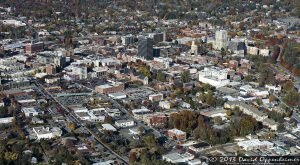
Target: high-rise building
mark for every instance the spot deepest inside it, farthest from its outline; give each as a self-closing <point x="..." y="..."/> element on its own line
<point x="221" y="40"/>
<point x="145" y="48"/>
<point x="157" y="37"/>
<point x="194" y="49"/>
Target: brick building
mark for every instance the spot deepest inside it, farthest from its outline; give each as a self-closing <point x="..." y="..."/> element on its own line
<point x="110" y="88"/>
<point x="176" y="134"/>
<point x="34" y="47"/>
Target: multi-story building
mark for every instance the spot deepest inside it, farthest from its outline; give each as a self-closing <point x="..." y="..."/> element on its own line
<point x="157" y="37"/>
<point x="34" y="47"/>
<point x="214" y="76"/>
<point x="145" y="48"/>
<point x="113" y="87"/>
<point x="221" y="40"/>
<point x="48" y="57"/>
<point x="50" y="69"/>
<point x="127" y="40"/>
<point x="80" y="71"/>
<point x="156" y="119"/>
<point x="176" y="134"/>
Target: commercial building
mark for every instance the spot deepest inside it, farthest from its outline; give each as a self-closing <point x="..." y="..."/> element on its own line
<point x="6" y="120"/>
<point x="113" y="87"/>
<point x="198" y="147"/>
<point x="157" y="37"/>
<point x="176" y="134"/>
<point x="30" y="111"/>
<point x="31" y="48"/>
<point x="50" y="69"/>
<point x="93" y="115"/>
<point x="145" y="48"/>
<point x="127" y="40"/>
<point x="255" y="144"/>
<point x="108" y="127"/>
<point x="124" y="123"/>
<point x="156" y="97"/>
<point x="221" y="40"/>
<point x="214" y="76"/>
<point x="177" y="157"/>
<point x="80" y="71"/>
<point x="156" y="119"/>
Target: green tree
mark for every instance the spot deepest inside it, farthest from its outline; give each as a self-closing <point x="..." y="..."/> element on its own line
<point x="146" y="71"/>
<point x="223" y="52"/>
<point x="161" y="76"/>
<point x="185" y="76"/>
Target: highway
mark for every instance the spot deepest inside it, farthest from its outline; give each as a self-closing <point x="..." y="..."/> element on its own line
<point x="73" y="118"/>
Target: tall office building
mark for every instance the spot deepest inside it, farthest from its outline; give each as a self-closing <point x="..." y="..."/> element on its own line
<point x="221" y="40"/>
<point x="157" y="37"/>
<point x="145" y="48"/>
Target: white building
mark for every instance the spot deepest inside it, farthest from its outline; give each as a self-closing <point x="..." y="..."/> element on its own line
<point x="177" y="157"/>
<point x="118" y="95"/>
<point x="108" y="127"/>
<point x="165" y="104"/>
<point x="252" y="50"/>
<point x="6" y="120"/>
<point x="80" y="71"/>
<point x="156" y="97"/>
<point x="221" y="40"/>
<point x="13" y="22"/>
<point x="264" y="52"/>
<point x="30" y="111"/>
<point x="89" y="115"/>
<point x="273" y="88"/>
<point x="124" y="123"/>
<point x="255" y="144"/>
<point x="47" y="133"/>
<point x="214" y="76"/>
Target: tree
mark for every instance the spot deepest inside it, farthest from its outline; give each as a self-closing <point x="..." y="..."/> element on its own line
<point x="218" y="120"/>
<point x="161" y="76"/>
<point x="141" y="130"/>
<point x="292" y="98"/>
<point x="288" y="86"/>
<point x="72" y="126"/>
<point x="146" y="71"/>
<point x="185" y="76"/>
<point x="132" y="158"/>
<point x="150" y="141"/>
<point x="228" y="113"/>
<point x="272" y="98"/>
<point x="223" y="52"/>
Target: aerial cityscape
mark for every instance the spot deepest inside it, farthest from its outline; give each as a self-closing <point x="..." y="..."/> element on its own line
<point x="149" y="82"/>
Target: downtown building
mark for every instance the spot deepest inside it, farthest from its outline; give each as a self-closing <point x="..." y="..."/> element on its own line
<point x="145" y="48"/>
